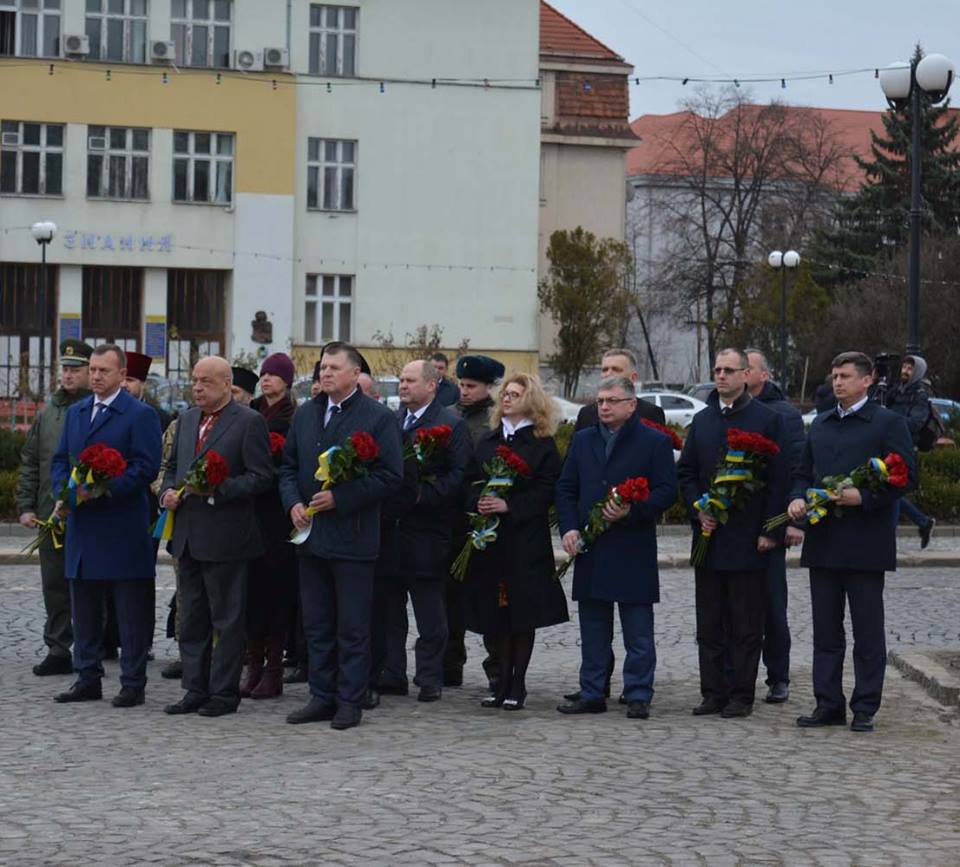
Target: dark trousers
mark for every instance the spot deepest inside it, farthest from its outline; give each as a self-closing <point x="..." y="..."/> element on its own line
<point x="912" y="512"/>
<point x="213" y="632"/>
<point x="337" y="596"/>
<point x="429" y="608"/>
<point x="136" y="635"/>
<point x="57" y="627"/>
<point x="776" y="630"/>
<point x="596" y="633"/>
<point x="830" y="589"/>
<point x="455" y="655"/>
<point x="730" y="610"/>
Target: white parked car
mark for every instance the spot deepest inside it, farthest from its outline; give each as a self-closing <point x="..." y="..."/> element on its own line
<point x="568" y="409"/>
<point x="678" y="408"/>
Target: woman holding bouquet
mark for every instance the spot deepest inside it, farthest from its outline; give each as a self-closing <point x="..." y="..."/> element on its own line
<point x="510" y="591"/>
<point x="271" y="593"/>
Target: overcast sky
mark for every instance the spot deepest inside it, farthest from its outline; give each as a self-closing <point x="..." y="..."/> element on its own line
<point x="734" y="38"/>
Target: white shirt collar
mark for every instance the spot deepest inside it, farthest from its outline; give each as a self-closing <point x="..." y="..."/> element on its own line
<point x="105" y="402"/>
<point x="509" y="428"/>
<point x="417" y="413"/>
<point x="843" y="413"/>
<point x="339" y="406"/>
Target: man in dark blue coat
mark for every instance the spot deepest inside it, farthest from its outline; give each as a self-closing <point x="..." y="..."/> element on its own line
<point x="776" y="632"/>
<point x="108" y="540"/>
<point x="731" y="585"/>
<point x="621" y="565"/>
<point x="425" y="533"/>
<point x="338" y="557"/>
<point x="847" y="555"/>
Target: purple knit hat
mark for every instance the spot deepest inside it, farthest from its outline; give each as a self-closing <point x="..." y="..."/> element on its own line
<point x="279" y="364"/>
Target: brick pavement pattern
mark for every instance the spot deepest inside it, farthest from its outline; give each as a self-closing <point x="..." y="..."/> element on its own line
<point x="451" y="783"/>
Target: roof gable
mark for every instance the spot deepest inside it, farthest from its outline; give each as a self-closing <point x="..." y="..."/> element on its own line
<point x="561" y="37"/>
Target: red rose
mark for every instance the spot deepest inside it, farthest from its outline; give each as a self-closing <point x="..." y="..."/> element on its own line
<point x="90" y="454"/>
<point x="897" y="470"/>
<point x="104" y="461"/>
<point x="439" y="436"/>
<point x="277" y="442"/>
<point x="666" y="431"/>
<point x="215" y="468"/>
<point x="365" y="446"/>
<point x="513" y="461"/>
<point x="634" y="490"/>
<point x="753" y="443"/>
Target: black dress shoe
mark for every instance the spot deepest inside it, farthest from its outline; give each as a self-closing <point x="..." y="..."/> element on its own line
<point x="185" y="705"/>
<point x="862" y="722"/>
<point x="217" y="707"/>
<point x="709" y="706"/>
<point x="575" y="696"/>
<point x="430" y="693"/>
<point x="638" y="710"/>
<point x="582" y="706"/>
<point x="80" y="691"/>
<point x="513" y="703"/>
<point x="393" y="688"/>
<point x="313" y="711"/>
<point x="371" y="698"/>
<point x="821" y="717"/>
<point x="346" y="717"/>
<point x="736" y="710"/>
<point x="53" y="665"/>
<point x="492" y="701"/>
<point x="778" y="693"/>
<point x="925" y="532"/>
<point x="173" y="670"/>
<point x="128" y="697"/>
<point x="454" y="677"/>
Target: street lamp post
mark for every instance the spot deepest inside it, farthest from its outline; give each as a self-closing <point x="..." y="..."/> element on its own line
<point x="781" y="262"/>
<point x="43" y="234"/>
<point x="902" y="84"/>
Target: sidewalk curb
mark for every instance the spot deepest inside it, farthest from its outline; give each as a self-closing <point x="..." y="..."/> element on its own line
<point x="939" y="683"/>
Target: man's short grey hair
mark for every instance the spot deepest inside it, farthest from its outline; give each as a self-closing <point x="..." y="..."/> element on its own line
<point x="732" y="350"/>
<point x="764" y="364"/>
<point x="608" y="383"/>
<point x="626" y="353"/>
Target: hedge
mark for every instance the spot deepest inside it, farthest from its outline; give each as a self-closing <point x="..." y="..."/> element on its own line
<point x="8" y="495"/>
<point x="11" y="442"/>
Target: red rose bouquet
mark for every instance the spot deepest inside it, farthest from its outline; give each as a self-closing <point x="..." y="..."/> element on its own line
<point x="738" y="477"/>
<point x="89" y="478"/>
<point x="504" y="468"/>
<point x="426" y="443"/>
<point x="203" y="478"/>
<point x="675" y="440"/>
<point x="634" y="490"/>
<point x="277" y="442"/>
<point x="874" y="475"/>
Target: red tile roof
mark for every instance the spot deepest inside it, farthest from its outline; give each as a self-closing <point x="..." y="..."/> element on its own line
<point x="560" y="37"/>
<point x="662" y="134"/>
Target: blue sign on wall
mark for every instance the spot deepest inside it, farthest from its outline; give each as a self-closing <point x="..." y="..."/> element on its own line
<point x="70" y="326"/>
<point x="155" y="337"/>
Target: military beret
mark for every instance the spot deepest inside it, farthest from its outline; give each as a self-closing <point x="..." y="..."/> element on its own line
<point x="479" y="367"/>
<point x="75" y="353"/>
<point x="245" y="379"/>
<point x="138" y="365"/>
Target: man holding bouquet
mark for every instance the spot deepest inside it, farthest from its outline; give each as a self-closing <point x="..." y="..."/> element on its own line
<point x="341" y="521"/>
<point x="215" y="534"/>
<point x="848" y="554"/>
<point x="107" y="538"/>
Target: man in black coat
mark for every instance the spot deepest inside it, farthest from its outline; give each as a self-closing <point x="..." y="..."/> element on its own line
<point x="776" y="633"/>
<point x="425" y="532"/>
<point x="338" y="556"/>
<point x="619" y="362"/>
<point x="847" y="555"/>
<point x="447" y="391"/>
<point x="731" y="585"/>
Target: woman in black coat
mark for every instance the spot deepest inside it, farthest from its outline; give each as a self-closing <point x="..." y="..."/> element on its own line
<point x="510" y="590"/>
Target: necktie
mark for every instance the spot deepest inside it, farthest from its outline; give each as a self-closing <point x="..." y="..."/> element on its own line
<point x="97" y="409"/>
<point x="206" y="425"/>
<point x="409" y="420"/>
<point x="725" y="411"/>
<point x="334" y="410"/>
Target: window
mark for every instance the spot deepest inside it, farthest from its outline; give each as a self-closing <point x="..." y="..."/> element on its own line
<point x="118" y="162"/>
<point x="201" y="31"/>
<point x="669" y="401"/>
<point x="203" y="167"/>
<point x="117" y="30"/>
<point x="196" y="317"/>
<point x="31" y="158"/>
<point x="20" y="326"/>
<point x="333" y="40"/>
<point x="112" y="306"/>
<point x="327" y="314"/>
<point x="30" y="28"/>
<point x="331" y="168"/>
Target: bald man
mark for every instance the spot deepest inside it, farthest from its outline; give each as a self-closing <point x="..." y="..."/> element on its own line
<point x="215" y="535"/>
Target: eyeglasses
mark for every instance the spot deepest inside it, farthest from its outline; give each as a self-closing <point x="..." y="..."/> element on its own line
<point x="727" y="371"/>
<point x="511" y="395"/>
<point x="612" y="401"/>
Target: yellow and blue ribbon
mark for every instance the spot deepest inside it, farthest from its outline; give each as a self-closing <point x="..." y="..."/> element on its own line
<point x="163" y="526"/>
<point x="323" y="468"/>
<point x="485" y="536"/>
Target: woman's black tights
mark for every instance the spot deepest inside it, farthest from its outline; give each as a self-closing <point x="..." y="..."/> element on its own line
<point x="514" y="651"/>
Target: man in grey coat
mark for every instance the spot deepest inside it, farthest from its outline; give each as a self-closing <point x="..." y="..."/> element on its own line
<point x="215" y="535"/>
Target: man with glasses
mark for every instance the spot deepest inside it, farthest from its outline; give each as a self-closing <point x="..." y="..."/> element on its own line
<point x="731" y="585"/>
<point x="621" y="565"/>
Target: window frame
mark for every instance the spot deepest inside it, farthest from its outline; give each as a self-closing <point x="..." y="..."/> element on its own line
<point x="43" y="149"/>
<point x="315" y="300"/>
<point x="321" y="164"/>
<point x="128" y="152"/>
<point x="214" y="158"/>
<point x="189" y="21"/>
<point x="41" y="12"/>
<point x="318" y="33"/>
<point x="99" y="53"/>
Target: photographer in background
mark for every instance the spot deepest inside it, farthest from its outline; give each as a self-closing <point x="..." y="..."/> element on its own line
<point x="911" y="399"/>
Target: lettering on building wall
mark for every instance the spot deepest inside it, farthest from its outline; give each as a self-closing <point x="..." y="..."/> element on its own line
<point x="123" y="243"/>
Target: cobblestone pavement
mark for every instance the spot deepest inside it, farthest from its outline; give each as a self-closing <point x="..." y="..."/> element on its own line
<point x="451" y="783"/>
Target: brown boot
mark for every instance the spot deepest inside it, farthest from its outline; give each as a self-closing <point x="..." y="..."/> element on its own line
<point x="254" y="669"/>
<point x="271" y="684"/>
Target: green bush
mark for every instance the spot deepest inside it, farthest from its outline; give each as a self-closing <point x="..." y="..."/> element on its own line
<point x="563" y="436"/>
<point x="941" y="462"/>
<point x="11" y="442"/>
<point x="938" y="496"/>
<point x="8" y="495"/>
